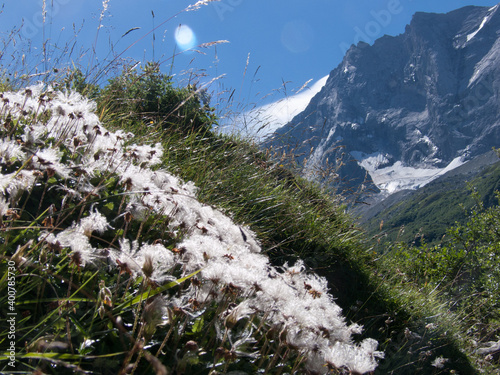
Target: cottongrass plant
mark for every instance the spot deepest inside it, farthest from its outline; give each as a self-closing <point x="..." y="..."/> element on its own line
<point x="119" y="265"/>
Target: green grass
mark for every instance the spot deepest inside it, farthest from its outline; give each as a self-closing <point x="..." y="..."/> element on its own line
<point x="292" y="218"/>
<point x="295" y="219"/>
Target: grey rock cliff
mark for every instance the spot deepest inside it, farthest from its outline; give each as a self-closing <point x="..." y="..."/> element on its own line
<point x="412" y="103"/>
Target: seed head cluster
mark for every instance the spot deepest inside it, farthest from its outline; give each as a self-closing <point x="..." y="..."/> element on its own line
<point x="48" y="134"/>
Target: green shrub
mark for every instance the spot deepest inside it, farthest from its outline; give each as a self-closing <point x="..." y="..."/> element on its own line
<point x="464" y="270"/>
<point x="149" y="97"/>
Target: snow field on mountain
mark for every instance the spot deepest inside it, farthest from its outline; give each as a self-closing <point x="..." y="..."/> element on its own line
<point x="397" y="177"/>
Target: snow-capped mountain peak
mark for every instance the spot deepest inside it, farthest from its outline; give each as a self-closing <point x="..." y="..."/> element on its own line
<point x="409" y="107"/>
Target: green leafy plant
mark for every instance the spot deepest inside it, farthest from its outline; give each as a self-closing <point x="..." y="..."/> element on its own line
<point x="149" y="97"/>
<point x="462" y="272"/>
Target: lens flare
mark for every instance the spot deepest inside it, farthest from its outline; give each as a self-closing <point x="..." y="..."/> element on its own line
<point x="185" y="37"/>
<point x="297" y="36"/>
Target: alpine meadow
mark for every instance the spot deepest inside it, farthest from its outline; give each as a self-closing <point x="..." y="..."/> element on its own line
<point x="138" y="238"/>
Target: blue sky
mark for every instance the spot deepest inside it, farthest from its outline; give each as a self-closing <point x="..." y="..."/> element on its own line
<point x="275" y="46"/>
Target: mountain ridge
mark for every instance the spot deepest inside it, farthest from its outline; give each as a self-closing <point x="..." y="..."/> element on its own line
<point x="408" y="105"/>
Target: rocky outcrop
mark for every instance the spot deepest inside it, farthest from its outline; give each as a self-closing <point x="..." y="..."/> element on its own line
<point x="406" y="109"/>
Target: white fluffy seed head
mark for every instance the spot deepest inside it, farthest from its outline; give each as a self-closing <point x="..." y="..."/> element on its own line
<point x="295" y="302"/>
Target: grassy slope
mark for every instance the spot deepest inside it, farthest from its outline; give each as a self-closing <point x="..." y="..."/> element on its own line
<point x="295" y="219"/>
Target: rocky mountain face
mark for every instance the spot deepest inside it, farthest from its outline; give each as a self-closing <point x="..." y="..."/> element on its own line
<point x="406" y="109"/>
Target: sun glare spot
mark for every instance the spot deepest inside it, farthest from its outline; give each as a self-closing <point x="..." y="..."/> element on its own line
<point x="185" y="37"/>
<point x="297" y="36"/>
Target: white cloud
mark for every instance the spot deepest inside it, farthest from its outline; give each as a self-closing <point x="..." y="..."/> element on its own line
<point x="265" y="119"/>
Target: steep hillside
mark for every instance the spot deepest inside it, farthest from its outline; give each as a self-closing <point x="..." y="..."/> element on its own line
<point x="170" y="250"/>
